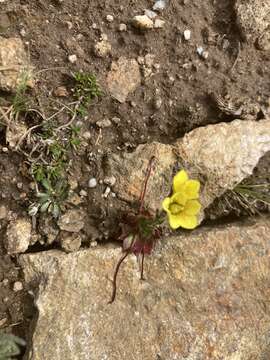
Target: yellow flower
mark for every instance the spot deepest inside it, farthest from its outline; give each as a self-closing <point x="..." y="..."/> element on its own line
<point x="183" y="207"/>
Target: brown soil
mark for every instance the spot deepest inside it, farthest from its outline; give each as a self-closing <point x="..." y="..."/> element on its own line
<point x="184" y="82"/>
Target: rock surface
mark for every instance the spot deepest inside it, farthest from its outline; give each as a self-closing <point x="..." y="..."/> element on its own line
<point x="206" y="296"/>
<point x="18" y="236"/>
<point x="220" y="156"/>
<point x="129" y="169"/>
<point x="14" y="64"/>
<point x="123" y="78"/>
<point x="72" y="220"/>
<point x="253" y="17"/>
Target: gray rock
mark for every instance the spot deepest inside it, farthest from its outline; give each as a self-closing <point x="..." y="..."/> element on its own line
<point x="72" y="220"/>
<point x="70" y="242"/>
<point x="18" y="236"/>
<point x="129" y="169"/>
<point x="253" y="17"/>
<point x="187" y="308"/>
<point x="15" y="67"/>
<point x="123" y="78"/>
<point x="103" y="48"/>
<point x="222" y="155"/>
<point x="48" y="228"/>
<point x="105" y="123"/>
<point x="142" y="22"/>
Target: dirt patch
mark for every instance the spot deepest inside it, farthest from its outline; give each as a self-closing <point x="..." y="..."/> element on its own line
<point x="174" y="97"/>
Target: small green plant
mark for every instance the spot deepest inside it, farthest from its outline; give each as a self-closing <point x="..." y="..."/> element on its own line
<point x="10" y="346"/>
<point x="86" y="89"/>
<point x="249" y="195"/>
<point x="51" y="198"/>
<point x="20" y="100"/>
<point x="74" y="140"/>
<point x="50" y="175"/>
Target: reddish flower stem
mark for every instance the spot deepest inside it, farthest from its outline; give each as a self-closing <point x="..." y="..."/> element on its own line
<point x="148" y="173"/>
<point x="127" y="252"/>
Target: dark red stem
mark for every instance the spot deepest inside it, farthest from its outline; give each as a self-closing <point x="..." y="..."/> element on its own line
<point x="127" y="252"/>
<point x="148" y="173"/>
<point x="115" y="277"/>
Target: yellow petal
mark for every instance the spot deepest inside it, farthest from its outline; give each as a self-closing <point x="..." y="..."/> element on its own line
<point x="179" y="180"/>
<point x="182" y="220"/>
<point x="179" y="198"/>
<point x="192" y="207"/>
<point x="191" y="189"/>
<point x="166" y="203"/>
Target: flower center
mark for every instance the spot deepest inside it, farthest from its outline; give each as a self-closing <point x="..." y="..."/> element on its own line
<point x="176" y="208"/>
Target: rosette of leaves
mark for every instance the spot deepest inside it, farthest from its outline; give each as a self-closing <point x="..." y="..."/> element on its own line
<point x="10" y="346"/>
<point x="51" y="199"/>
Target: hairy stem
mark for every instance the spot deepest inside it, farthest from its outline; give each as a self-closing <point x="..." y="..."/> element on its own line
<point x="115" y="277"/>
<point x="148" y="173"/>
<point x="127" y="252"/>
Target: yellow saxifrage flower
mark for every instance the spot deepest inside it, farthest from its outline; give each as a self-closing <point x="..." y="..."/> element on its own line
<point x="183" y="206"/>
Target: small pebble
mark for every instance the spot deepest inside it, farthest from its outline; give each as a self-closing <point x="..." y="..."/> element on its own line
<point x="109" y="18"/>
<point x="61" y="91"/>
<point x="4" y="149"/>
<point x="106" y="192"/>
<point x="122" y="27"/>
<point x="83" y="193"/>
<point x="72" y="58"/>
<point x="5" y="282"/>
<point x="109" y="180"/>
<point x="87" y="135"/>
<point x="92" y="183"/>
<point x="205" y="54"/>
<point x="23" y="32"/>
<point x="142" y="22"/>
<point x="116" y="120"/>
<point x="105" y="123"/>
<point x="18" y="286"/>
<point x="187" y="35"/>
<point x="159" y="5"/>
<point x="199" y="50"/>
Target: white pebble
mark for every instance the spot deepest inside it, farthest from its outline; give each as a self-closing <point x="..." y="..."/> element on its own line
<point x="92" y="183"/>
<point x="205" y="54"/>
<point x="109" y="180"/>
<point x="159" y="5"/>
<point x="106" y="192"/>
<point x="109" y="18"/>
<point x="187" y="34"/>
<point x="122" y="27"/>
<point x="83" y="193"/>
<point x="72" y="58"/>
<point x="17" y="286"/>
<point x="199" y="50"/>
